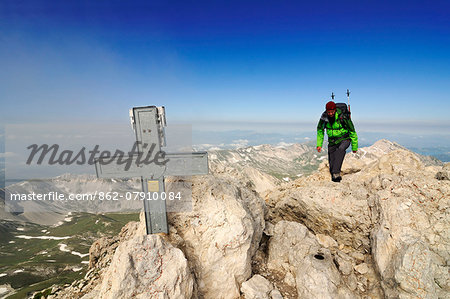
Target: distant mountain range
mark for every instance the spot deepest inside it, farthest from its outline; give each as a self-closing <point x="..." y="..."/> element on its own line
<point x="290" y="161"/>
<point x="286" y="162"/>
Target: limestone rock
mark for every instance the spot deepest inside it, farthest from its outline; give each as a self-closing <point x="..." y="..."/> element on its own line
<point x="221" y="234"/>
<point x="412" y="211"/>
<point x="415" y="272"/>
<point x="294" y="249"/>
<point x="326" y="241"/>
<point x="444" y="173"/>
<point x="362" y="268"/>
<point x="393" y="201"/>
<point x="102" y="250"/>
<point x="357" y="255"/>
<point x="345" y="266"/>
<point x="275" y="294"/>
<point x="257" y="287"/>
<point x="340" y="211"/>
<point x="289" y="279"/>
<point x="218" y="237"/>
<point x="147" y="266"/>
<point x="411" y="233"/>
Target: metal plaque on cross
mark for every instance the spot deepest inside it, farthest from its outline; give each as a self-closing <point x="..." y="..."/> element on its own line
<point x="148" y="124"/>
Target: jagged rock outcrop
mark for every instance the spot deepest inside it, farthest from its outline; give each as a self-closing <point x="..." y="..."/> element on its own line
<point x="325" y="208"/>
<point x="147" y="266"/>
<point x="383" y="232"/>
<point x="140" y="266"/>
<point x="390" y="210"/>
<point x="101" y="254"/>
<point x="102" y="250"/>
<point x="218" y="238"/>
<point x="221" y="234"/>
<point x="294" y="249"/>
<point x="411" y="239"/>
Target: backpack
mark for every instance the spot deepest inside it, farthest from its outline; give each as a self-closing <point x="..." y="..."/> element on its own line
<point x="345" y="113"/>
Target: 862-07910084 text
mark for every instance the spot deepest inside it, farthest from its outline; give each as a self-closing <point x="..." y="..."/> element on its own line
<point x="140" y="196"/>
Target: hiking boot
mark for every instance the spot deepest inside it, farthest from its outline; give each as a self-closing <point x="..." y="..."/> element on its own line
<point x="336" y="177"/>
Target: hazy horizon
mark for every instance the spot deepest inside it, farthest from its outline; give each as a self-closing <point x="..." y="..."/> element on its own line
<point x="204" y="136"/>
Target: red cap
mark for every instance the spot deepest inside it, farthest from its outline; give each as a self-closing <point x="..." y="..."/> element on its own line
<point x="330" y="105"/>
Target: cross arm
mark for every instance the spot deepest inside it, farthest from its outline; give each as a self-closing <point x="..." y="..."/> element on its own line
<point x="177" y="164"/>
<point x="195" y="163"/>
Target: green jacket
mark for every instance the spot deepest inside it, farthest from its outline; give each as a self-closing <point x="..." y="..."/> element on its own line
<point x="340" y="130"/>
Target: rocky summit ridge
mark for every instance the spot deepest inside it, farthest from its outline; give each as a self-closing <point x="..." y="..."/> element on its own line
<point x="383" y="232"/>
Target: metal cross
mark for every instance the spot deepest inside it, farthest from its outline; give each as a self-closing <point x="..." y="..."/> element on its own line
<point x="148" y="124"/>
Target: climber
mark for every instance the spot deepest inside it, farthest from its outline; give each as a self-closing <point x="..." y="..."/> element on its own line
<point x="340" y="131"/>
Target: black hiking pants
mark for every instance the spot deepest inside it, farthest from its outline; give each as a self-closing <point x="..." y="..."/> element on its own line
<point x="336" y="154"/>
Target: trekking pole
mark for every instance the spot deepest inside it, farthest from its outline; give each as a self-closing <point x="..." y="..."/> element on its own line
<point x="348" y="100"/>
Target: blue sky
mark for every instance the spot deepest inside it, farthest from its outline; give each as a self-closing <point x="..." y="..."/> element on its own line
<point x="207" y="61"/>
<point x="241" y="72"/>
